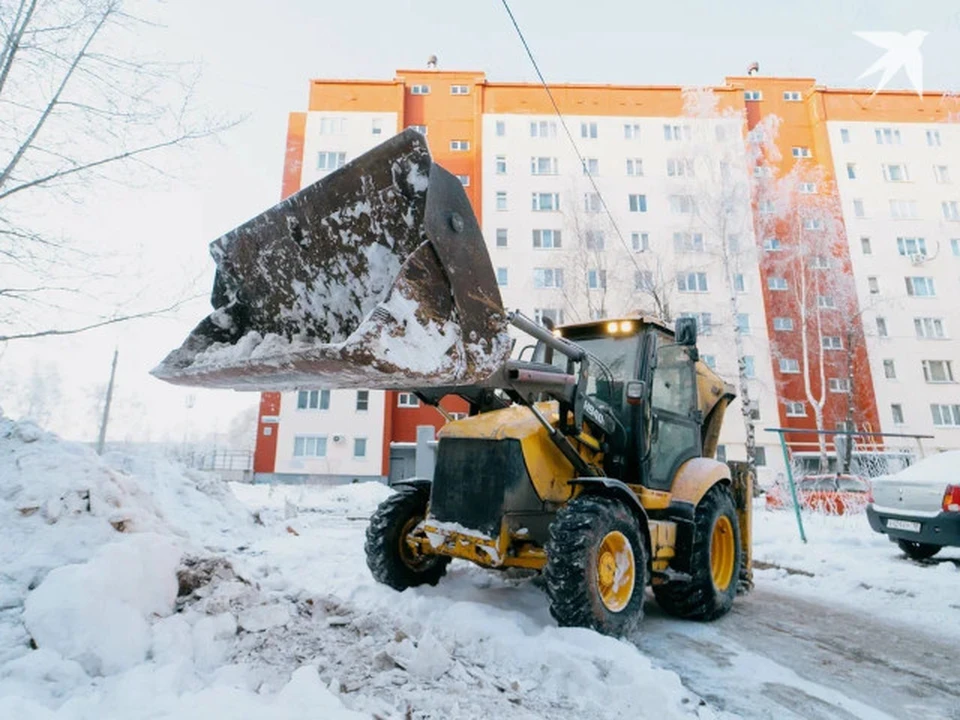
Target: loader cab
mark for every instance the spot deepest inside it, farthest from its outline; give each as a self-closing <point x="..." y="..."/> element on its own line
<point x="661" y="428"/>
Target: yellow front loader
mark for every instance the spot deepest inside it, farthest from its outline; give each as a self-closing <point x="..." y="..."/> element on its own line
<point x="591" y="461"/>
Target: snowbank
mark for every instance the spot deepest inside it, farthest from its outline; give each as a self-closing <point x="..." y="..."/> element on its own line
<point x="356" y="499"/>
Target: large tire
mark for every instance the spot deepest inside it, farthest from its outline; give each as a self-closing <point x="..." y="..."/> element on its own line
<point x="596" y="570"/>
<point x="390" y="560"/>
<point x="918" y="550"/>
<point x="715" y="561"/>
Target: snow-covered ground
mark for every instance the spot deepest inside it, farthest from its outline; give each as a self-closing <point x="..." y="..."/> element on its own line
<point x="130" y="587"/>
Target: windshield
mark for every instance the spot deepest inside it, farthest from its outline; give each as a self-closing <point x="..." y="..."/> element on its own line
<point x="617" y="358"/>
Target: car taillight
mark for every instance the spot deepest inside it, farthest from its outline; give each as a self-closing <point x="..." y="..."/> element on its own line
<point x="951" y="498"/>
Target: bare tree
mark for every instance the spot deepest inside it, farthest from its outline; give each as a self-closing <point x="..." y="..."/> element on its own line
<point x="78" y="104"/>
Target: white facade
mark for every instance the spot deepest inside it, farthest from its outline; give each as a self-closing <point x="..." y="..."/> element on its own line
<point x="528" y="164"/>
<point x="906" y="186"/>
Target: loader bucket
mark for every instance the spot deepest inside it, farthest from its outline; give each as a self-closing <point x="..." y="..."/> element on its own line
<point x="376" y="276"/>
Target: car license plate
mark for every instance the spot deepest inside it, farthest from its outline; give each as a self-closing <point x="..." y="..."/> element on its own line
<point x="903" y="525"/>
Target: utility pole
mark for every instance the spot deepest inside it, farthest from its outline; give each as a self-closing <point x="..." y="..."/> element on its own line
<point x="106" y="404"/>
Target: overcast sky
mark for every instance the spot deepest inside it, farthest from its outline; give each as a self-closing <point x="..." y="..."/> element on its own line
<point x="259" y="56"/>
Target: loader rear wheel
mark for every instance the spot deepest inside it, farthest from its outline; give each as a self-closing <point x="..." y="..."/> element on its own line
<point x="596" y="568"/>
<point x="715" y="561"/>
<point x="390" y="559"/>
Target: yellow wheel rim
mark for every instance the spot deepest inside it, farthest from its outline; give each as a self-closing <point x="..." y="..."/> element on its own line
<point x="723" y="553"/>
<point x="411" y="557"/>
<point x="616" y="571"/>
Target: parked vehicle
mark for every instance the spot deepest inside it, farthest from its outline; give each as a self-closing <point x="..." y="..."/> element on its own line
<point x="835" y="494"/>
<point x="919" y="507"/>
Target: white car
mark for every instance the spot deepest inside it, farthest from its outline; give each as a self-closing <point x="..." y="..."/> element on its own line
<point x="919" y="507"/>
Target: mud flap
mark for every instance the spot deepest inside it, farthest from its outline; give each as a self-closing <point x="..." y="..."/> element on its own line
<point x="376" y="276"/>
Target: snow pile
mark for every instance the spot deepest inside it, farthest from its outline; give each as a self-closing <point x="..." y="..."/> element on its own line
<point x="353" y="500"/>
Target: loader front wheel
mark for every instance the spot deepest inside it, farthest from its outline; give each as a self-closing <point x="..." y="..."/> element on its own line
<point x="596" y="568"/>
<point x="715" y="561"/>
<point x="390" y="559"/>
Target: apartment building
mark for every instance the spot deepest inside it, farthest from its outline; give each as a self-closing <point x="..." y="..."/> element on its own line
<point x="629" y="221"/>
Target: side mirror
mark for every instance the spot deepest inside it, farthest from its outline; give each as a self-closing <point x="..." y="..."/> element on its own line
<point x="686" y="331"/>
<point x="636" y="391"/>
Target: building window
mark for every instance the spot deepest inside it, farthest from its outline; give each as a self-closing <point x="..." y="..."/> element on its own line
<point x="941" y="173"/>
<point x="501" y="237"/>
<point x="640" y="241"/>
<point x="801" y="152"/>
<point x="459" y="90"/>
<point x="889" y="370"/>
<point x="920" y="286"/>
<point x="852" y="171"/>
<point x="588" y="130"/>
<point x="783" y="323"/>
<point x="546" y="239"/>
<point x="752" y="95"/>
<point x="679" y="167"/>
<point x="903" y="209"/>
<point x="865" y="246"/>
<point x="909" y="247"/>
<point x="873" y="285"/>
<point x="813" y="224"/>
<point x="501" y="276"/>
<point x="543" y="166"/>
<point x="683" y="204"/>
<point x="501" y="128"/>
<point x="327" y="160"/>
<point x="501" y="165"/>
<point x="929" y="328"/>
<point x="544" y="315"/>
<point x="631" y="131"/>
<point x="819" y="262"/>
<point x="313" y="400"/>
<point x="789" y="365"/>
<point x="808" y="188"/>
<point x="310" y="446"/>
<point x="765" y="171"/>
<point x="792" y="96"/>
<point x="710" y="361"/>
<point x="776" y="283"/>
<point x="938" y="371"/>
<point x="363" y="400"/>
<point x="422" y="129"/>
<point x="597" y="279"/>
<point x="844" y="136"/>
<point x="545" y="202"/>
<point x="687" y="242"/>
<point x="796" y="409"/>
<point x="951" y="210"/>
<point x="826" y="302"/>
<point x="643" y="280"/>
<point x="464" y="180"/>
<point x="638" y="203"/>
<point x="896" y="411"/>
<point x="501" y="200"/>
<point x="945" y="415"/>
<point x="591" y="166"/>
<point x="743" y="323"/>
<point x="933" y="138"/>
<point x="635" y="167"/>
<point x="407" y="400"/>
<point x="675" y="133"/>
<point x="772" y="244"/>
<point x="459" y="145"/>
<point x="895" y="173"/>
<point x="548" y="277"/>
<point x="739" y="284"/>
<point x="840" y="385"/>
<point x="831" y="342"/>
<point x="955" y="246"/>
<point x="543" y="129"/>
<point x="692" y="282"/>
<point x="419" y="89"/>
<point x="767" y="207"/>
<point x="887" y="136"/>
<point x="704" y="322"/>
<point x="721" y="453"/>
<point x="333" y="126"/>
<point x="749" y="366"/>
<point x="881" y="327"/>
<point x="591" y="203"/>
<point x="760" y="456"/>
<point x="594" y="239"/>
<point x="359" y="447"/>
<point x="858" y="210"/>
<point x="376" y="126"/>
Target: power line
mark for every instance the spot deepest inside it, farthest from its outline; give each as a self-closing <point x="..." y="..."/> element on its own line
<point x="569" y="135"/>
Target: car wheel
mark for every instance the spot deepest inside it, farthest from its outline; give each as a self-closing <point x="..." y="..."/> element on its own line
<point x="918" y="550"/>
